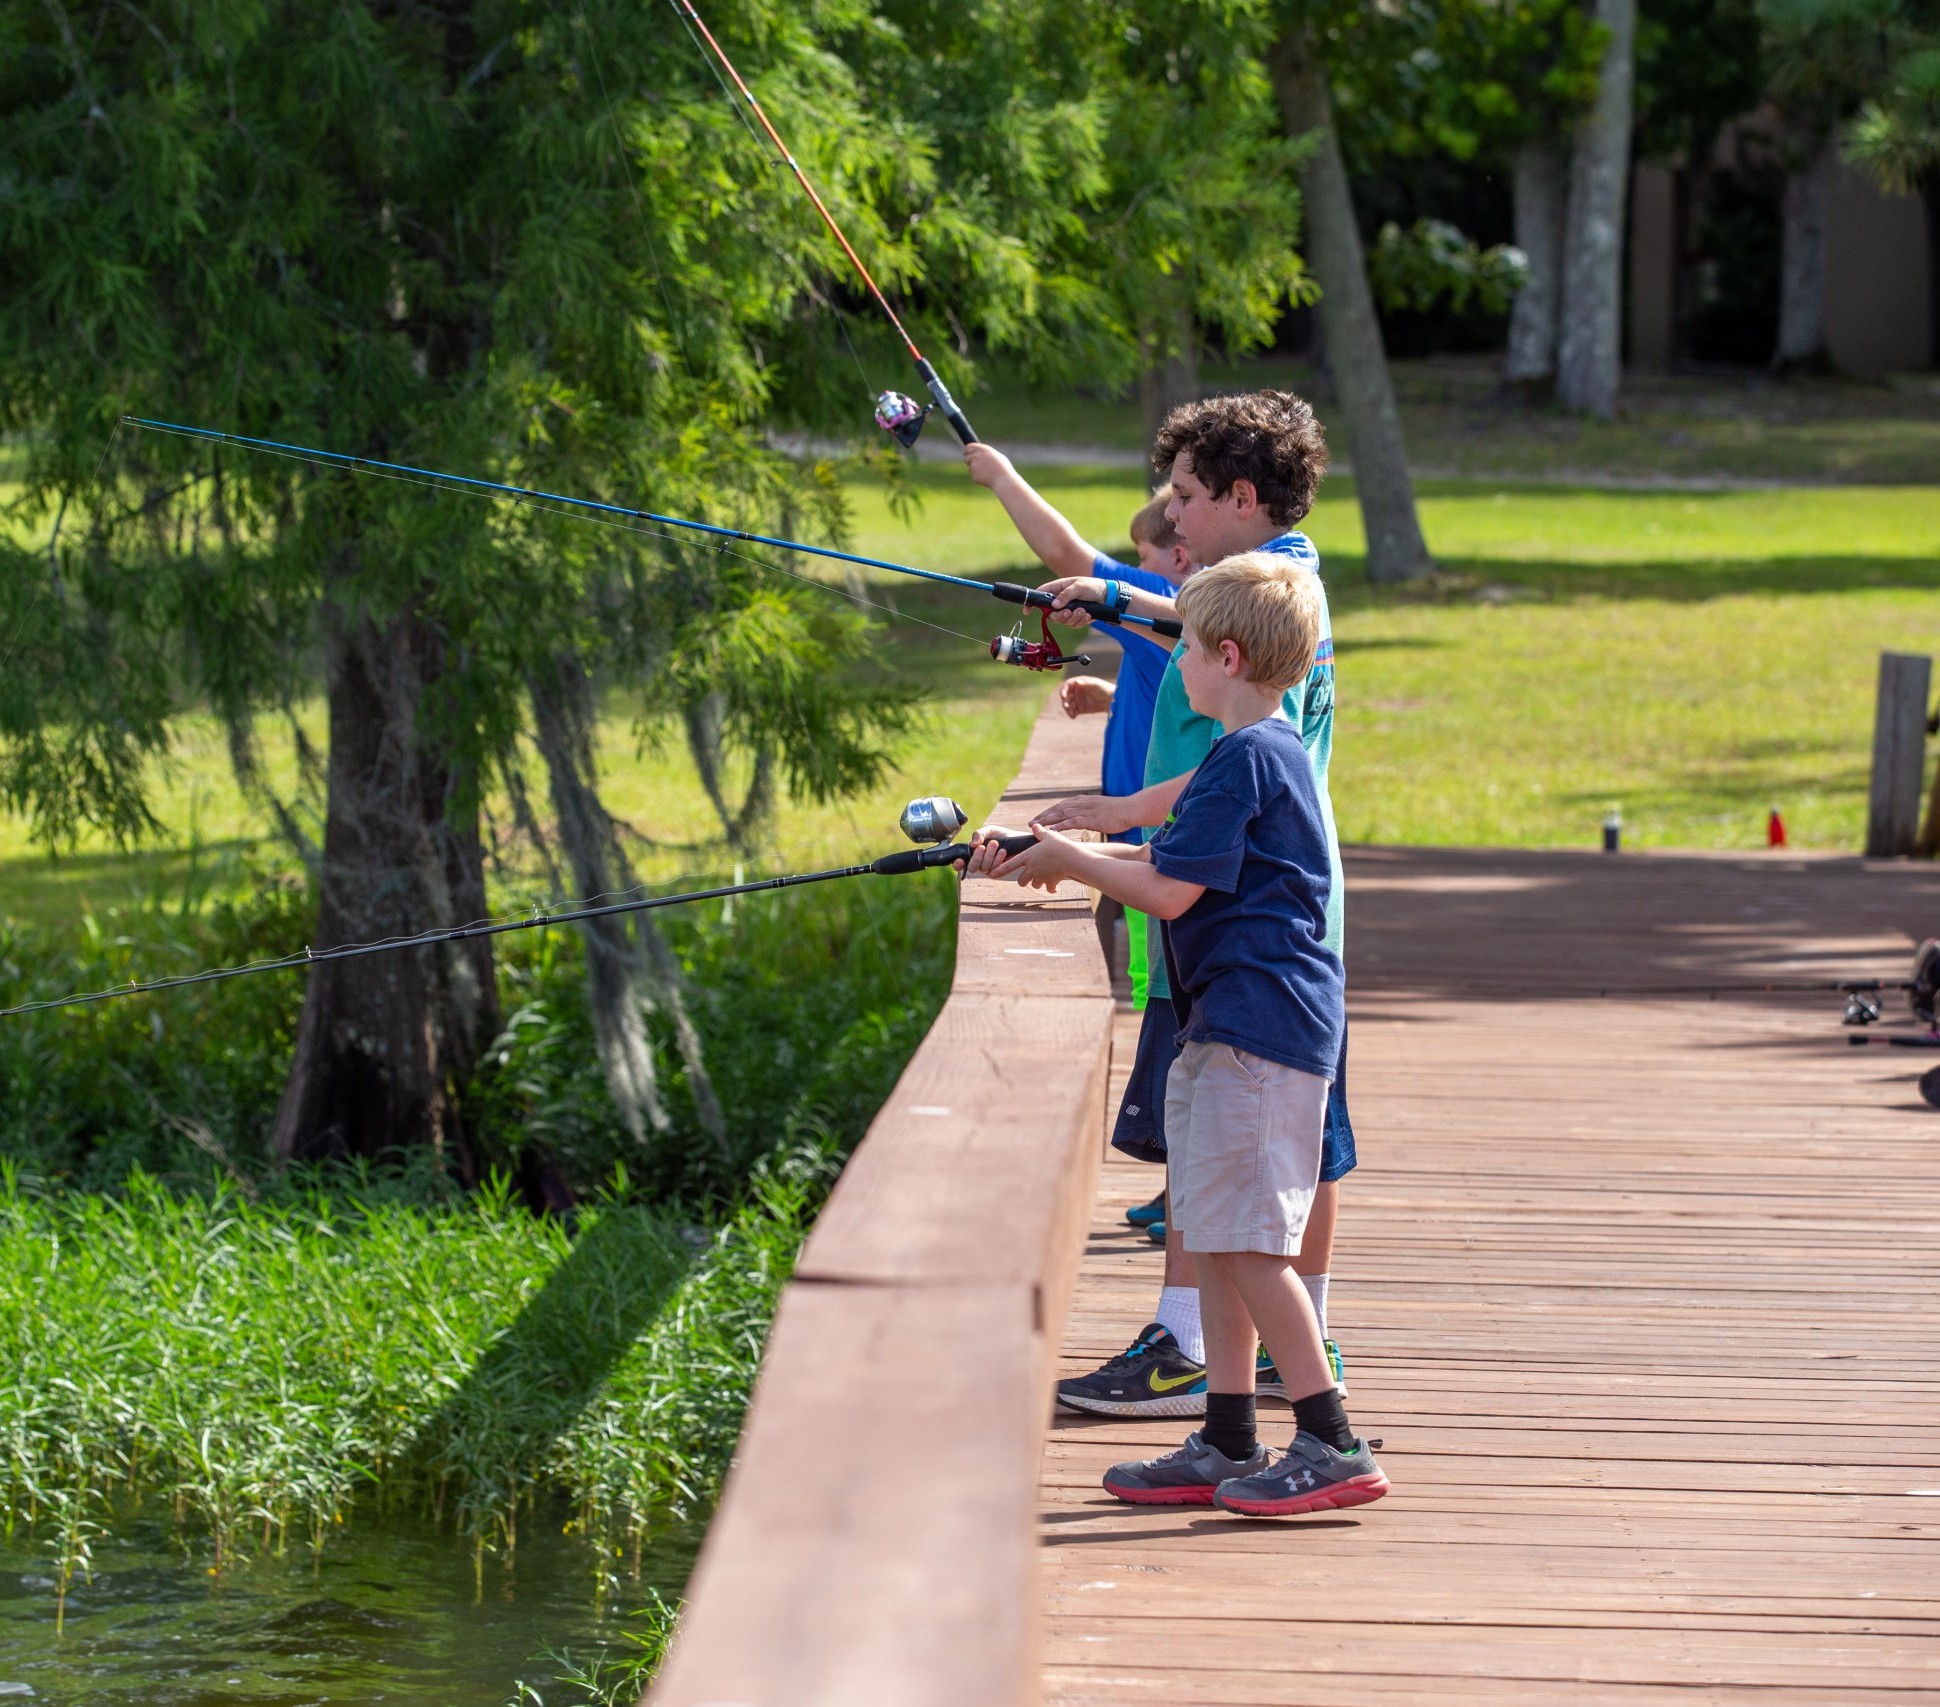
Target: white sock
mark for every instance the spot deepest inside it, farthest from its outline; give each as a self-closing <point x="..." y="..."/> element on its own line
<point x="1316" y="1285"/>
<point x="1179" y="1316"/>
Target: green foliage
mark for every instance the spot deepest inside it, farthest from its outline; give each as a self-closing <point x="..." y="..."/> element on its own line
<point x="609" y="1679"/>
<point x="808" y="1005"/>
<point x="1823" y="58"/>
<point x="1431" y="262"/>
<point x="1896" y="136"/>
<point x="260" y="1368"/>
<point x="1698" y="68"/>
<point x="1469" y="79"/>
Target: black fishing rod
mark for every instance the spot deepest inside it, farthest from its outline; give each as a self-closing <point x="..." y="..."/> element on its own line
<point x="897" y="415"/>
<point x="932" y="820"/>
<point x="1006" y="649"/>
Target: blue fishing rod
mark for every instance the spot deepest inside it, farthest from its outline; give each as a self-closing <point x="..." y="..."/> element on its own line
<point x="1006" y="649"/>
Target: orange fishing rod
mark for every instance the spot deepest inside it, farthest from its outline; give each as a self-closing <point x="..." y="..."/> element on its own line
<point x="895" y="413"/>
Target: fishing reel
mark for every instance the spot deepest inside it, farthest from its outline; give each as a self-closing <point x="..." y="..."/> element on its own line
<point x="1013" y="648"/>
<point x="901" y="417"/>
<point x="932" y="821"/>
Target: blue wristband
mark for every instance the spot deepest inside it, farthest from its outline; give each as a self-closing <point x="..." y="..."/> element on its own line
<point x="1118" y="597"/>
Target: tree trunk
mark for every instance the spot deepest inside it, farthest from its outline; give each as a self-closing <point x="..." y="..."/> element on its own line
<point x="385" y="1044"/>
<point x="1801" y="290"/>
<point x="626" y="973"/>
<point x="1348" y="327"/>
<point x="1171" y="375"/>
<point x="1589" y="348"/>
<point x="1930" y="195"/>
<point x="1542" y="194"/>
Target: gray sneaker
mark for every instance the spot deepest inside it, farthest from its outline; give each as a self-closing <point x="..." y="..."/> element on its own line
<point x="1312" y="1477"/>
<point x="1185" y="1477"/>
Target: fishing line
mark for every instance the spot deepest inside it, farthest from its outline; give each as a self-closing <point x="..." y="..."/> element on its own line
<point x="439" y="481"/>
<point x="931" y="820"/>
<point x="903" y="425"/>
<point x="889" y="611"/>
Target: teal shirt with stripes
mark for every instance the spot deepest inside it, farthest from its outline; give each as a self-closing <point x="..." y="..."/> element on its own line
<point x="1181" y="739"/>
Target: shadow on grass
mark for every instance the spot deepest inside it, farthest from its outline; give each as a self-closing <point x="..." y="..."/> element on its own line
<point x="538" y="1376"/>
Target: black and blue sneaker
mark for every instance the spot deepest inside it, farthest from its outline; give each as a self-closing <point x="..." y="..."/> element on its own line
<point x="1146" y="1213"/>
<point x="1156" y="1232"/>
<point x="1152" y="1377"/>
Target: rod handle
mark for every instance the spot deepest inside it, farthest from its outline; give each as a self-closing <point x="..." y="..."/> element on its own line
<point x="952" y="853"/>
<point x="1011" y="593"/>
<point x="951" y="412"/>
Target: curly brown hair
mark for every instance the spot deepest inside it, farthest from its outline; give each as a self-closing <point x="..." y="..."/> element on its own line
<point x="1270" y="438"/>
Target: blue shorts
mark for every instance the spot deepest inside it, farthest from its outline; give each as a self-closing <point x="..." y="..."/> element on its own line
<point x="1140" y="1128"/>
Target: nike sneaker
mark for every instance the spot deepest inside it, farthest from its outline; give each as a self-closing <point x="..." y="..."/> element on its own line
<point x="1146" y="1213"/>
<point x="1312" y="1477"/>
<point x="1152" y="1377"/>
<point x="1268" y="1385"/>
<point x="1191" y="1475"/>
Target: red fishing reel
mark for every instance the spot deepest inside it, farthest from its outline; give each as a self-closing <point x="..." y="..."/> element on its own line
<point x="1013" y="648"/>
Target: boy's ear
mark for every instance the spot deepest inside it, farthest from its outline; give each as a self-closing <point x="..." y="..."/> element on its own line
<point x="1245" y="496"/>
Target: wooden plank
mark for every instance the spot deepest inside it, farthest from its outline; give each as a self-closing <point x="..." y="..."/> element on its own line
<point x="874" y="1541"/>
<point x="876" y="1529"/>
<point x="1640" y="1289"/>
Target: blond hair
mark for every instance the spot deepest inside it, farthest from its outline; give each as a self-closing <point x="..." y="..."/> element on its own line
<point x="1269" y="605"/>
<point x="1152" y="526"/>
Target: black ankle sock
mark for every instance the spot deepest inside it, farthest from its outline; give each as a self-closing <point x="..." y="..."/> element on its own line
<point x="1322" y="1415"/>
<point x="1229" y="1425"/>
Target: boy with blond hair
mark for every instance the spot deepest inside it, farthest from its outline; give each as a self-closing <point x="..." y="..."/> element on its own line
<point x="1242" y="878"/>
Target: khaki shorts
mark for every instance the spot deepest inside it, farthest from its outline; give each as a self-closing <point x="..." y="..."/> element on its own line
<point x="1243" y="1140"/>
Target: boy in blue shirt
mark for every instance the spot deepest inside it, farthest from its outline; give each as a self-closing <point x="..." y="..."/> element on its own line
<point x="1243" y="876"/>
<point x="1244" y="470"/>
<point x="1127" y="703"/>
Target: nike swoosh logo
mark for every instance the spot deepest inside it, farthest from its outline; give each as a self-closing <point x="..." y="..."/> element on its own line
<point x="1159" y="1384"/>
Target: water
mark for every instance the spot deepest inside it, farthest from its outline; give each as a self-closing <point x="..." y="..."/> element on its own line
<point x="391" y="1612"/>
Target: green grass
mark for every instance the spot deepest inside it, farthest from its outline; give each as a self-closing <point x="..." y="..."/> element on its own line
<point x="259" y="1369"/>
<point x="1696" y="658"/>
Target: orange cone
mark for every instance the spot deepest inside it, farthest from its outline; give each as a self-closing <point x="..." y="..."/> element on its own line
<point x="1775" y="830"/>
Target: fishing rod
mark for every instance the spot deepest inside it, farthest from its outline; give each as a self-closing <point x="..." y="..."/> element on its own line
<point x="1006" y="649"/>
<point x="899" y="416"/>
<point x="930" y="821"/>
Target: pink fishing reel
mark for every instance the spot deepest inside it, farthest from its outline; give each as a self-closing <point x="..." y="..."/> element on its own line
<point x="901" y="417"/>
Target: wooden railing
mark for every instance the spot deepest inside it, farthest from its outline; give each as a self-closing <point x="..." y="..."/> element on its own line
<point x="874" y="1545"/>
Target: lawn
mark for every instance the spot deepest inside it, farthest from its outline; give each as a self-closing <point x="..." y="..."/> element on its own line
<point x="1695" y="658"/>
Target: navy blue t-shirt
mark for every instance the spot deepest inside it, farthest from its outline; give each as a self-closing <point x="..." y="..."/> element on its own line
<point x="1249" y="960"/>
<point x="1141" y="668"/>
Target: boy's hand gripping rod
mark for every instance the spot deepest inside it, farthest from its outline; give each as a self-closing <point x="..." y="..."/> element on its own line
<point x="1008" y="591"/>
<point x="931" y="820"/>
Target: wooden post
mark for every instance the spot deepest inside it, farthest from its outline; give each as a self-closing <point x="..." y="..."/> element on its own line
<point x="1899" y="754"/>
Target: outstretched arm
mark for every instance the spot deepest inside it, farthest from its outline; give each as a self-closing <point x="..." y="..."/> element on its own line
<point x="1113" y="814"/>
<point x="1059" y="546"/>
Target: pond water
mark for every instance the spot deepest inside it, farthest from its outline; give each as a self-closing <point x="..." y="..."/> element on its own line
<point x="390" y="1612"/>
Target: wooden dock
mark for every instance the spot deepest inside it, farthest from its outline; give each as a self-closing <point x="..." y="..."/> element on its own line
<point x="1640" y="1285"/>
